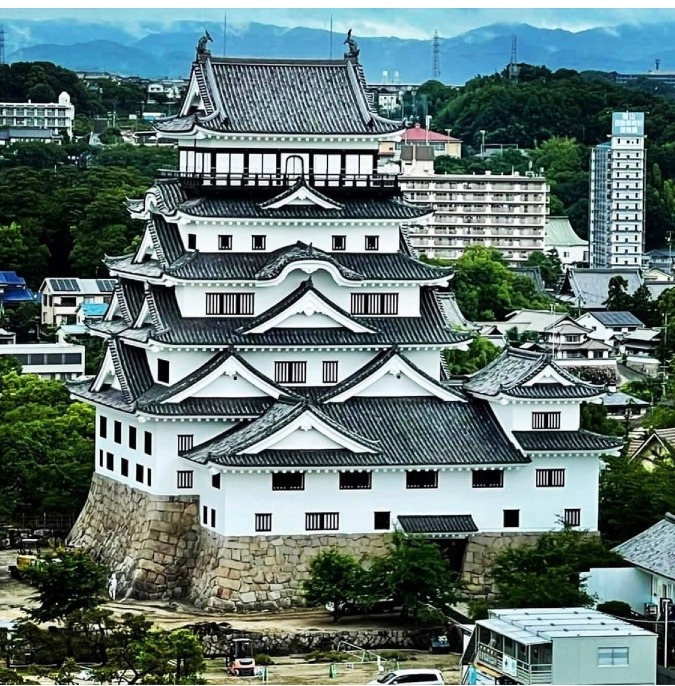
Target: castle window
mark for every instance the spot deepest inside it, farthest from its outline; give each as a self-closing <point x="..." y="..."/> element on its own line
<point x="185" y="442"/>
<point x="487" y="478"/>
<point x="205" y="514"/>
<point x="110" y="461"/>
<point x="132" y="437"/>
<point x="148" y="443"/>
<point x="550" y="478"/>
<point x="124" y="466"/>
<point x="184" y="479"/>
<point x="192" y="241"/>
<point x="213" y="518"/>
<point x="351" y="481"/>
<point x="163" y="371"/>
<point x="322" y="521"/>
<point x="572" y="518"/>
<point x="290" y="372"/>
<point x="421" y="479"/>
<point x="117" y="432"/>
<point x="103" y="427"/>
<point x="374" y="303"/>
<point x="339" y="242"/>
<point x="382" y="521"/>
<point x="100" y="458"/>
<point x="258" y="242"/>
<point x="288" y="481"/>
<point x="215" y="480"/>
<point x="229" y="303"/>
<point x="511" y="518"/>
<point x="330" y="372"/>
<point x="149" y="473"/>
<point x="372" y="242"/>
<point x="546" y="420"/>
<point x="139" y="473"/>
<point x="263" y="522"/>
<point x="224" y="242"/>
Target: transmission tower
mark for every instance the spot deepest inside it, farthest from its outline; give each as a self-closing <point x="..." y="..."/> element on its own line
<point x="514" y="67"/>
<point x="2" y="43"/>
<point x="436" y="63"/>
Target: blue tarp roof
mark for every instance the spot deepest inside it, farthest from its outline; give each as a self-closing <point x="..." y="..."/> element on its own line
<point x="11" y="279"/>
<point x="94" y="309"/>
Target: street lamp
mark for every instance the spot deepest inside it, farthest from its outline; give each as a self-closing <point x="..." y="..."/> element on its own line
<point x="482" y="142"/>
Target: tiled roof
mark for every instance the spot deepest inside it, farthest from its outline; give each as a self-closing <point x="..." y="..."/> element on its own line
<point x="534" y="275"/>
<point x="249" y="407"/>
<point x="565" y="441"/>
<point x="437" y="524"/>
<point x="134" y="372"/>
<point x="283" y="96"/>
<point x="133" y="293"/>
<point x="410" y="432"/>
<point x="588" y="288"/>
<point x="614" y="318"/>
<point x="418" y="134"/>
<point x="513" y="368"/>
<point x="621" y="399"/>
<point x="108" y="397"/>
<point x="265" y="266"/>
<point x="555" y="391"/>
<point x="240" y="206"/>
<point x="429" y="327"/>
<point x="166" y="240"/>
<point x="653" y="549"/>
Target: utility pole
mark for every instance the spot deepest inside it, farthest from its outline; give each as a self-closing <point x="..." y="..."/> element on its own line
<point x="665" y="609"/>
<point x="436" y="62"/>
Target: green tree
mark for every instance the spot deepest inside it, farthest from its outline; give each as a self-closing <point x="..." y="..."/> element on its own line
<point x="21" y="251"/>
<point x="618" y="298"/>
<point x="334" y="578"/>
<point x="594" y="418"/>
<point x="547" y="574"/>
<point x="415" y="574"/>
<point x="66" y="584"/>
<point x="549" y="265"/>
<point x="479" y="354"/>
<point x="23" y="321"/>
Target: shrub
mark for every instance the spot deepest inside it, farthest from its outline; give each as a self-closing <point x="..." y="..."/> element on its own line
<point x="617" y="608"/>
<point x="263" y="659"/>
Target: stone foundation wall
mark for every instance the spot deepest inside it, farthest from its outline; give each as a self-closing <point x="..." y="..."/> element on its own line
<point x="478" y="558"/>
<point x="158" y="549"/>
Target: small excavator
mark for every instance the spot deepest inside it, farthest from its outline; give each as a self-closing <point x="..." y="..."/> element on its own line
<point x="240" y="660"/>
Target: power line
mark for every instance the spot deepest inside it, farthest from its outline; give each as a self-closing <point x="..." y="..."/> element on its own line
<point x="436" y="62"/>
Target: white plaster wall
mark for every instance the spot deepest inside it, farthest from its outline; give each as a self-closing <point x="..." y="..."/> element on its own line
<point x="518" y="416"/>
<point x="282" y="234"/>
<point x="291" y="143"/>
<point x="629" y="584"/>
<point x="242" y="495"/>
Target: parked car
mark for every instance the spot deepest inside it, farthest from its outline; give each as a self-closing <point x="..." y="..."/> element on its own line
<point x="356" y="607"/>
<point x="410" y="676"/>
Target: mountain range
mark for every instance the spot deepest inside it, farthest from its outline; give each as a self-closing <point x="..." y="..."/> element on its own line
<point x="155" y="50"/>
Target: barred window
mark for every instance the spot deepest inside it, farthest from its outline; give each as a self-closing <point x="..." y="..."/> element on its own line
<point x="258" y="242"/>
<point x="185" y="442"/>
<point x="550" y="478"/>
<point x="339" y="242"/>
<point x="546" y="420"/>
<point x="330" y="372"/>
<point x="290" y="372"/>
<point x="322" y="521"/>
<point x="420" y="479"/>
<point x="229" y="303"/>
<point x="350" y="481"/>
<point x="374" y="303"/>
<point x="288" y="481"/>
<point x="487" y="478"/>
<point x="572" y="518"/>
<point x="184" y="478"/>
<point x="263" y="522"/>
<point x="372" y="242"/>
<point x="224" y="242"/>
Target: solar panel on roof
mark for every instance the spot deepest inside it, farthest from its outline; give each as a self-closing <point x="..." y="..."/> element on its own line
<point x="66" y="284"/>
<point x="106" y="285"/>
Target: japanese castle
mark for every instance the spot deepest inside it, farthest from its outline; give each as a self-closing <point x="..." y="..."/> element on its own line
<point x="274" y="353"/>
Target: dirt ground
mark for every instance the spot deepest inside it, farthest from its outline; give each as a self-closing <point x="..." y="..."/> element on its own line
<point x="14" y="596"/>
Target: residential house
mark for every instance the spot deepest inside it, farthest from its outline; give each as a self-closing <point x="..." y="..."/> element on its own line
<point x="558" y="646"/>
<point x="61" y="297"/>
<point x="87" y="313"/>
<point x="648" y="445"/>
<point x="561" y="237"/>
<point x="610" y="326"/>
<point x="650" y="576"/>
<point x="28" y="134"/>
<point x="660" y="258"/>
<point x="440" y="143"/>
<point x="48" y="360"/>
<point x="621" y="405"/>
<point x="640" y="349"/>
<point x="587" y="289"/>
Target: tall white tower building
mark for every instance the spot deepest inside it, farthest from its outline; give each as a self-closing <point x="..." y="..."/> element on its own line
<point x="617" y="203"/>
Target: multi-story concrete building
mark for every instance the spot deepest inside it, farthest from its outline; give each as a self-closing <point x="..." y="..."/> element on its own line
<point x="47" y="360"/>
<point x="54" y="116"/>
<point x="617" y="204"/>
<point x="507" y="212"/>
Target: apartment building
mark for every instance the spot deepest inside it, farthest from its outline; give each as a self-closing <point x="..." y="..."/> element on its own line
<point x="617" y="188"/>
<point x="54" y="116"/>
<point x="506" y="211"/>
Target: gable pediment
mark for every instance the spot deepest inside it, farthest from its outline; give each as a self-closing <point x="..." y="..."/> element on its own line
<point x="106" y="374"/>
<point x="548" y="375"/>
<point x="310" y="310"/>
<point x="304" y="196"/>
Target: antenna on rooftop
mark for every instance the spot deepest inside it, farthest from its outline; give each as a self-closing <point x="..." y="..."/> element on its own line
<point x="514" y="67"/>
<point x="436" y="62"/>
<point x="2" y="44"/>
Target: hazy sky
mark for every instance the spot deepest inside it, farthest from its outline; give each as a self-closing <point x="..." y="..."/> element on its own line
<point x="406" y="23"/>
